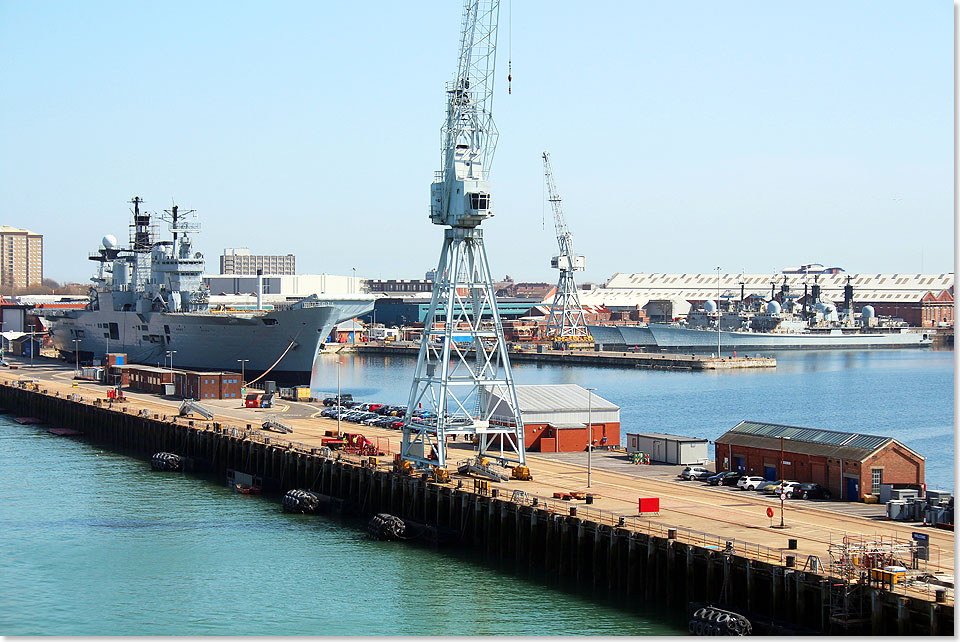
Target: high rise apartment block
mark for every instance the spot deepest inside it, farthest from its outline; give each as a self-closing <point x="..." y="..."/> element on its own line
<point x="21" y="257"/>
<point x="238" y="260"/>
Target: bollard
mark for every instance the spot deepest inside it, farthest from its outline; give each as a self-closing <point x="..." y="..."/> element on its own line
<point x="573" y="511"/>
<point x="941" y="596"/>
<point x="791" y="561"/>
<point x="495" y="492"/>
<point x="792" y="544"/>
<point x="671" y="533"/>
<point x="536" y="501"/>
<point x="589" y="499"/>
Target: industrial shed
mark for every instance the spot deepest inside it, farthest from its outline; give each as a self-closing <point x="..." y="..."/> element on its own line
<point x="850" y="464"/>
<point x="670" y="449"/>
<point x="555" y="417"/>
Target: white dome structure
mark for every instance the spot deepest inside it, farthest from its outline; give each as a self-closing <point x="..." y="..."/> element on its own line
<point x="773" y="307"/>
<point x="709" y="307"/>
<point x="109" y="241"/>
<point x="868" y="312"/>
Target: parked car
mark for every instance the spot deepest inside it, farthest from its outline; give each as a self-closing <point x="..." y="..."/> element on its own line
<point x="396" y="423"/>
<point x="731" y="479"/>
<point x="726" y="478"/>
<point x="809" y="491"/>
<point x="369" y="421"/>
<point x="765" y="484"/>
<point x="714" y="480"/>
<point x="694" y="472"/>
<point x="781" y="487"/>
<point x="750" y="482"/>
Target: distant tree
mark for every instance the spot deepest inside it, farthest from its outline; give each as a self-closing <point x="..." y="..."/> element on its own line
<point x="50" y="283"/>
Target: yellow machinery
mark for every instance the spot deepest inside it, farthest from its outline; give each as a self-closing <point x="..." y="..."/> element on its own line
<point x="440" y="475"/>
<point x="481" y="486"/>
<point x="522" y="473"/>
<point x="406" y="467"/>
<point x="372" y="461"/>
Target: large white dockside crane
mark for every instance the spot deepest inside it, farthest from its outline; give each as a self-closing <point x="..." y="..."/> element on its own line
<point x="463" y="385"/>
<point x="567" y="322"/>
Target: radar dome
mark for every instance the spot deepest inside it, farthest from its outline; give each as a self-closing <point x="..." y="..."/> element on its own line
<point x="709" y="307"/>
<point x="868" y="312"/>
<point x="109" y="241"/>
<point x="773" y="307"/>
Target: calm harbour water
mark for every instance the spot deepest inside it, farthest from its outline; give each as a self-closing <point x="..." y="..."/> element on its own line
<point x="95" y="543"/>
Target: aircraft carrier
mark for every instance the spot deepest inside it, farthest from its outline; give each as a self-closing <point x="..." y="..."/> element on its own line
<point x="149" y="301"/>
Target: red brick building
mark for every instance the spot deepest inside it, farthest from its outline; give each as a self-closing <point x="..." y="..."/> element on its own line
<point x="851" y="465"/>
<point x="932" y="310"/>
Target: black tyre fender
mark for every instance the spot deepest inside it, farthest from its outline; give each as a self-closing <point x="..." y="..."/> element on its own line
<point x="806" y="495"/>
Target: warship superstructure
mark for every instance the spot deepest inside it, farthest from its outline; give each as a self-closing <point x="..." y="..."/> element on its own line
<point x="148" y="300"/>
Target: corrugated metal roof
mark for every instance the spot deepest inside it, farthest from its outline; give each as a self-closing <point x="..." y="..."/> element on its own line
<point x="662" y="435"/>
<point x="567" y="396"/>
<point x="854" y="445"/>
<point x="799" y="447"/>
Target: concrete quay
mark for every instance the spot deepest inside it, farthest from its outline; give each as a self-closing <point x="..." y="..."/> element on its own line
<point x="647" y="360"/>
<point x="671" y="558"/>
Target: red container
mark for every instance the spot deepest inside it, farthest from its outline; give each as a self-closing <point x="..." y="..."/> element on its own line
<point x="649" y="504"/>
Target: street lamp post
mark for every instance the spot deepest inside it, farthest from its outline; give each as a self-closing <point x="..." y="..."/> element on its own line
<point x="589" y="434"/>
<point x="339" y="401"/>
<point x="718" y="311"/>
<point x="782" y="480"/>
<point x="76" y="352"/>
<point x="353" y="284"/>
<point x="242" y="362"/>
<point x="170" y="354"/>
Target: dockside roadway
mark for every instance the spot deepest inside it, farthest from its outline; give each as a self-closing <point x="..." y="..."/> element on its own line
<point x="647" y="360"/>
<point x="674" y="557"/>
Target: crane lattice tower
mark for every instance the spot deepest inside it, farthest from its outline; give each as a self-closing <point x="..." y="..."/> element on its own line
<point x="463" y="384"/>
<point x="567" y="319"/>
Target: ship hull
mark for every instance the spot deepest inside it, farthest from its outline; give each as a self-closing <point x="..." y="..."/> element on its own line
<point x="285" y="340"/>
<point x="671" y="338"/>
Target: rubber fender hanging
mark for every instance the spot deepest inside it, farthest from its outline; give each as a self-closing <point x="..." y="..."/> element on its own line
<point x="301" y="501"/>
<point x="166" y="462"/>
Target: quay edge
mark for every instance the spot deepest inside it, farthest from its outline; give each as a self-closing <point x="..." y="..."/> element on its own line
<point x="646" y="360"/>
<point x="639" y="567"/>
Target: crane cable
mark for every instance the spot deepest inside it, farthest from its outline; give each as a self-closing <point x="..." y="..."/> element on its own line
<point x="510" y="47"/>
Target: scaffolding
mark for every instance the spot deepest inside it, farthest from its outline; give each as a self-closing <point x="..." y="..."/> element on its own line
<point x="851" y="562"/>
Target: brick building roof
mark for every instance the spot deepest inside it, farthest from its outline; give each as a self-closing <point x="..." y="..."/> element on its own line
<point x="808" y="441"/>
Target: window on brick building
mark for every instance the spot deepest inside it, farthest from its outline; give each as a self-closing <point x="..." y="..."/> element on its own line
<point x="876" y="475"/>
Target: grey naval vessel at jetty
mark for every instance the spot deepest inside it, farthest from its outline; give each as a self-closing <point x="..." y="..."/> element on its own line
<point x="784" y="324"/>
<point x="149" y="300"/>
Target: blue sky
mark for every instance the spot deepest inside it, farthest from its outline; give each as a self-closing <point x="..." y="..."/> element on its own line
<point x="749" y="135"/>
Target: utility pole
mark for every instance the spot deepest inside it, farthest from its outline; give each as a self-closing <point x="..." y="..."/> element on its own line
<point x="589" y="433"/>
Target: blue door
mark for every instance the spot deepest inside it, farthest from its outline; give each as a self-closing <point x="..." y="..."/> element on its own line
<point x="853" y="489"/>
<point x="770" y="473"/>
<point x="739" y="465"/>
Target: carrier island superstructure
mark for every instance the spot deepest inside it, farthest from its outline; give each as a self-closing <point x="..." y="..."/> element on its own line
<point x="149" y="301"/>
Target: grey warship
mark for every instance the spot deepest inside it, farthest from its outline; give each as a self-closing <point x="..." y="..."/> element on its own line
<point x="149" y="301"/>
